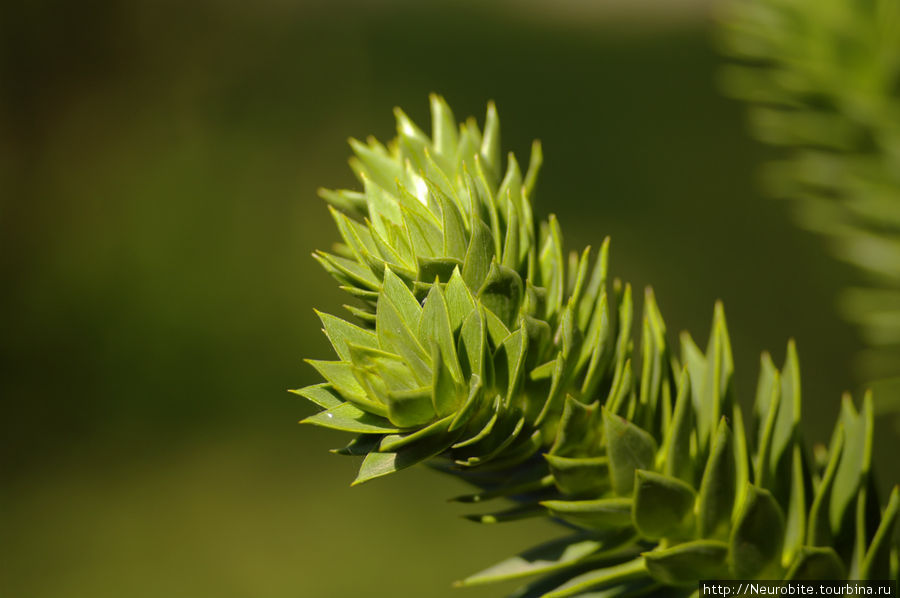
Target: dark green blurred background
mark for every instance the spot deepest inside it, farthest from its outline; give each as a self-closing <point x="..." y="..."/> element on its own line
<point x="158" y="167"/>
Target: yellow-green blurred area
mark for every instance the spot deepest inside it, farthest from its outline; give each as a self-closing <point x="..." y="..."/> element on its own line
<point x="158" y="168"/>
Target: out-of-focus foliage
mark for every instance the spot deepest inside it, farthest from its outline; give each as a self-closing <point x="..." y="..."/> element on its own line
<point x="822" y="79"/>
<point x="481" y="349"/>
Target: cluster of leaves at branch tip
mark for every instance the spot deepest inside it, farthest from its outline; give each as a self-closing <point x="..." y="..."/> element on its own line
<point x="480" y="347"/>
<point x="822" y="82"/>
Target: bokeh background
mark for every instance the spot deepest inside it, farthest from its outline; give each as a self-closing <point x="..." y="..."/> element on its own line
<point x="158" y="167"/>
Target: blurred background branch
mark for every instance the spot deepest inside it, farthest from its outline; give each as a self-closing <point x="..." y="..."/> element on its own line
<point x="822" y="80"/>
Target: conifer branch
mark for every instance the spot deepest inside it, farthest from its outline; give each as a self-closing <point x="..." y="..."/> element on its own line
<point x="481" y="347"/>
